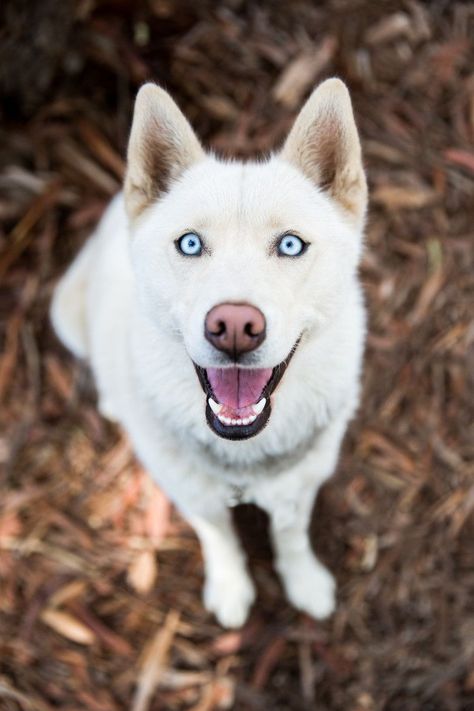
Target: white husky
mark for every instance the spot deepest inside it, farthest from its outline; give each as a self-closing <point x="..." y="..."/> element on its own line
<point x="219" y="307"/>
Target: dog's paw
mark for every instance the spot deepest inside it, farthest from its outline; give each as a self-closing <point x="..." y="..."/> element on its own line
<point x="229" y="597"/>
<point x="309" y="586"/>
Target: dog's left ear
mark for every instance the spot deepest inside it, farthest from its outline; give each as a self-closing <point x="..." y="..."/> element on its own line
<point x="162" y="145"/>
<point x="324" y="144"/>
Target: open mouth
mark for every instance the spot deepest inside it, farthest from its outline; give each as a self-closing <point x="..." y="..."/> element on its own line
<point x="238" y="400"/>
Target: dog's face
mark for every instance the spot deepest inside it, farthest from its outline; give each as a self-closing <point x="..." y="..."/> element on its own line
<point x="243" y="262"/>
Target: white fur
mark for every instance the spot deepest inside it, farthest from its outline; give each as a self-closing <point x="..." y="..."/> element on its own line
<point x="135" y="308"/>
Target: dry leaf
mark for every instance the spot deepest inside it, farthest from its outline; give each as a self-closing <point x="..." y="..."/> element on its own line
<point x="302" y="73"/>
<point x="74" y="589"/>
<point x="157" y="515"/>
<point x="389" y="28"/>
<point x="67" y="626"/>
<point x="395" y="197"/>
<point x="142" y="572"/>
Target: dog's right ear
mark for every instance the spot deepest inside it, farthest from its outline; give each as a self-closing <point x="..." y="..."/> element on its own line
<point x="162" y="145"/>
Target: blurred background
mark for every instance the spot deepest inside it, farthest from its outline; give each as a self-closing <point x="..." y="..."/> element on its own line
<point x="99" y="582"/>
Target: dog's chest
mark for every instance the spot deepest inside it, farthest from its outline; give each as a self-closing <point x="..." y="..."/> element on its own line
<point x="239" y="487"/>
<point x="237" y="494"/>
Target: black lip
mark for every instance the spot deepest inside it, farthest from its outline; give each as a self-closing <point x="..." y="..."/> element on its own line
<point x="240" y="432"/>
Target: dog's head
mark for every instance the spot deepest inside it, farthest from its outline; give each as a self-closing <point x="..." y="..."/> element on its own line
<point x="244" y="262"/>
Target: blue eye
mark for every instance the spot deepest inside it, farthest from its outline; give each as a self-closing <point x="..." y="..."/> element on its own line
<point x="190" y="244"/>
<point x="291" y="246"/>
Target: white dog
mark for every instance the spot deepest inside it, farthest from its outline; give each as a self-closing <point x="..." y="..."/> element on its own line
<point x="219" y="307"/>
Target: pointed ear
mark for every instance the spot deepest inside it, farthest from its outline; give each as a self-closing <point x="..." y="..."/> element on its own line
<point x="162" y="145"/>
<point x="324" y="144"/>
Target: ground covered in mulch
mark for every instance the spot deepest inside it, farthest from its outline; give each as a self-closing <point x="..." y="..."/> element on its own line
<point x="100" y="596"/>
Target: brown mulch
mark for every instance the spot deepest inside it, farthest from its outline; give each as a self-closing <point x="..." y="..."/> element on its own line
<point x="99" y="594"/>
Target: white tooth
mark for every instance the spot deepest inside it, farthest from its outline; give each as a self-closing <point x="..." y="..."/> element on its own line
<point x="234" y="422"/>
<point x="246" y="421"/>
<point x="226" y="420"/>
<point x="215" y="406"/>
<point x="259" y="406"/>
<point x="252" y="418"/>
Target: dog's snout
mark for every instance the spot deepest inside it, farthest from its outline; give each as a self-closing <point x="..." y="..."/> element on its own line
<point x="235" y="328"/>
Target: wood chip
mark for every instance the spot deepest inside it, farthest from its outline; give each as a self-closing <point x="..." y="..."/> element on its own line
<point x="465" y="159"/>
<point x="268" y="660"/>
<point x="22" y="233"/>
<point x="153" y="660"/>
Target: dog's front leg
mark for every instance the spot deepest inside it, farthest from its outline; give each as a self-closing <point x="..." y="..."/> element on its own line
<point x="228" y="589"/>
<point x="288" y="500"/>
<point x="309" y="586"/>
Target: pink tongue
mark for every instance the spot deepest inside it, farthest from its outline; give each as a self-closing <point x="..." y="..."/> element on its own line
<point x="236" y="387"/>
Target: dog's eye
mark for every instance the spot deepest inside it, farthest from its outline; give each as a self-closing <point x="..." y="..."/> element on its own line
<point x="291" y="246"/>
<point x="190" y="244"/>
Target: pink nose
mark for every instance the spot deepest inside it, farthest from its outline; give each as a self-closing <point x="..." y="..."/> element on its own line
<point x="235" y="328"/>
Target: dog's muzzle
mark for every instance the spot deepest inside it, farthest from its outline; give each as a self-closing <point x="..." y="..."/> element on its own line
<point x="238" y="400"/>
